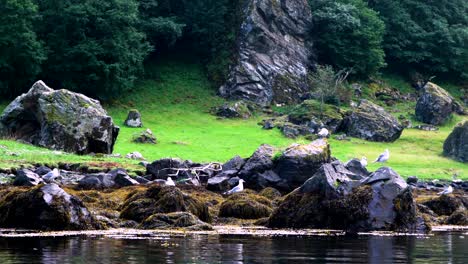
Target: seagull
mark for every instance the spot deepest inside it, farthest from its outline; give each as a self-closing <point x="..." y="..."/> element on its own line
<point x="170" y="182"/>
<point x="383" y="157"/>
<point x="323" y="133"/>
<point x="51" y="175"/>
<point x="364" y="161"/>
<point x="238" y="188"/>
<point x="446" y="191"/>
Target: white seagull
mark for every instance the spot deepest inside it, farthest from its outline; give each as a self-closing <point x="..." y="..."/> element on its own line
<point x="383" y="157"/>
<point x="446" y="191"/>
<point x="51" y="175"/>
<point x="323" y="133"/>
<point x="238" y="188"/>
<point x="364" y="161"/>
<point x="170" y="182"/>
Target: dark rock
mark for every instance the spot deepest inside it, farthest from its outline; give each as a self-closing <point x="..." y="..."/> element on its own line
<point x="412" y="180"/>
<point x="162" y="200"/>
<point x="97" y="181"/>
<point x="447" y="204"/>
<point x="145" y="137"/>
<point x="273" y="52"/>
<point x="260" y="161"/>
<point x="299" y="162"/>
<point x="356" y="167"/>
<point x="459" y="217"/>
<point x="310" y="116"/>
<point x="25" y="177"/>
<point x="435" y="105"/>
<point x="161" y="169"/>
<point x="235" y="163"/>
<point x="218" y="184"/>
<point x="122" y="179"/>
<point x="237" y="109"/>
<point x="141" y="180"/>
<point x="371" y="122"/>
<point x="456" y="145"/>
<point x="267" y="179"/>
<point x="46" y="207"/>
<point x="42" y="170"/>
<point x="234" y="181"/>
<point x="133" y="119"/>
<point x="60" y="120"/>
<point x="174" y="220"/>
<point x="245" y="205"/>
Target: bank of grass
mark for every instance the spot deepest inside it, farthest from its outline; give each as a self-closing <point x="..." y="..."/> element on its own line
<point x="175" y="105"/>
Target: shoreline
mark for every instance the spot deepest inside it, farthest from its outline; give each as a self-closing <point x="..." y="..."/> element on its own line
<point x="228" y="230"/>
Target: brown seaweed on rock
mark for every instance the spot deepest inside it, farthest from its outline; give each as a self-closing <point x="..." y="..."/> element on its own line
<point x="246" y="205"/>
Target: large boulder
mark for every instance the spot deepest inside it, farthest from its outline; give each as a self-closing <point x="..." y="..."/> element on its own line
<point x="331" y="199"/>
<point x="133" y="119"/>
<point x="260" y="161"/>
<point x="456" y="145"/>
<point x="273" y="52"/>
<point x="60" y="120"/>
<point x="435" y="105"/>
<point x="45" y="207"/>
<point x="300" y="162"/>
<point x="25" y="177"/>
<point x="371" y="122"/>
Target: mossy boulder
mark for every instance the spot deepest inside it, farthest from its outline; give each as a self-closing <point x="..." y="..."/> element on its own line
<point x="174" y="220"/>
<point x="311" y="112"/>
<point x="60" y="120"/>
<point x="45" y="207"/>
<point x="371" y="122"/>
<point x="145" y="137"/>
<point x="162" y="200"/>
<point x="447" y="204"/>
<point x="238" y="109"/>
<point x="456" y="145"/>
<point x="246" y="205"/>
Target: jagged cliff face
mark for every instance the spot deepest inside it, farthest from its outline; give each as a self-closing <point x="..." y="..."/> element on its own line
<point x="273" y="52"/>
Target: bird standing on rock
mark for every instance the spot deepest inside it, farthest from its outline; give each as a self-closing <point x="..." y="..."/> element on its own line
<point x="51" y="175"/>
<point x="238" y="188"/>
<point x="364" y="162"/>
<point x="446" y="191"/>
<point x="383" y="157"/>
<point x="170" y="182"/>
<point x="323" y="133"/>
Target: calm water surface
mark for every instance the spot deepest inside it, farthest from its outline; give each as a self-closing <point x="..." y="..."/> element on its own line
<point x="442" y="248"/>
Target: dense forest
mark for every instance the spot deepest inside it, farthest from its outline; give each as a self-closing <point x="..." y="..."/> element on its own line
<point x="99" y="47"/>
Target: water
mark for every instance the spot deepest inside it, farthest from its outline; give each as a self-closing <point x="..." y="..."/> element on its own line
<point x="441" y="248"/>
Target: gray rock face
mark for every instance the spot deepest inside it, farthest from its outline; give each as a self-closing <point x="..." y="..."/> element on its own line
<point x="235" y="163"/>
<point x="356" y="167"/>
<point x="60" y="120"/>
<point x="218" y="183"/>
<point x="456" y="145"/>
<point x="25" y="177"/>
<point x="161" y="169"/>
<point x="435" y="105"/>
<point x="133" y="119"/>
<point x="260" y="161"/>
<point x="273" y="52"/>
<point x="371" y="122"/>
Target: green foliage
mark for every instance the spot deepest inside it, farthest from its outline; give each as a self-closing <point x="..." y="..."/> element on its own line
<point x="428" y="36"/>
<point x="327" y="84"/>
<point x="348" y="34"/>
<point x="94" y="46"/>
<point x="21" y="53"/>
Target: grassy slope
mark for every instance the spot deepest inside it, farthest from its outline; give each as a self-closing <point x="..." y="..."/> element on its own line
<point x="175" y="107"/>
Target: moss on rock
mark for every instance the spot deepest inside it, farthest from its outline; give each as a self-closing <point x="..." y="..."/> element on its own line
<point x="246" y="205"/>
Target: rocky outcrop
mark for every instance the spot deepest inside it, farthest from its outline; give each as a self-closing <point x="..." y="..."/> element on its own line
<point x="25" y="177"/>
<point x="45" y="207"/>
<point x="371" y="122"/>
<point x="60" y="120"/>
<point x="456" y="145"/>
<point x="237" y="109"/>
<point x="133" y="119"/>
<point x="436" y="105"/>
<point x="331" y="199"/>
<point x="273" y="52"/>
<point x="145" y="137"/>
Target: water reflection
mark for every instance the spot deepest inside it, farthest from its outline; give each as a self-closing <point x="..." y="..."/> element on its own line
<point x="444" y="248"/>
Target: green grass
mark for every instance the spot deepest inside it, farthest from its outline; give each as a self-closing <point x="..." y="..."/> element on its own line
<point x="175" y="105"/>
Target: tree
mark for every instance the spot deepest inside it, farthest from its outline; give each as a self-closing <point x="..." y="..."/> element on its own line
<point x="94" y="46"/>
<point x="428" y="36"/>
<point x="21" y="54"/>
<point x="348" y="34"/>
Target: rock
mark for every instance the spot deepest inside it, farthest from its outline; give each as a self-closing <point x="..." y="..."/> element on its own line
<point x="330" y="199"/>
<point x="435" y="105"/>
<point x="245" y="205"/>
<point x="42" y="170"/>
<point x="6" y="179"/>
<point x="427" y="127"/>
<point x="270" y="193"/>
<point x="356" y="167"/>
<point x="135" y="156"/>
<point x="291" y="130"/>
<point x="218" y="184"/>
<point x="96" y="181"/>
<point x="370" y="122"/>
<point x="412" y="180"/>
<point x="456" y="145"/>
<point x="237" y="109"/>
<point x="142" y="180"/>
<point x="25" y="177"/>
<point x="235" y="163"/>
<point x="122" y="179"/>
<point x="342" y="137"/>
<point x="46" y="207"/>
<point x="60" y="120"/>
<point x="133" y="119"/>
<point x="273" y="52"/>
<point x="174" y="220"/>
<point x="447" y="204"/>
<point x="145" y="137"/>
<point x="312" y="116"/>
<point x="299" y="162"/>
<point x="161" y="169"/>
<point x="260" y="161"/>
<point x="459" y="217"/>
<point x="162" y="200"/>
